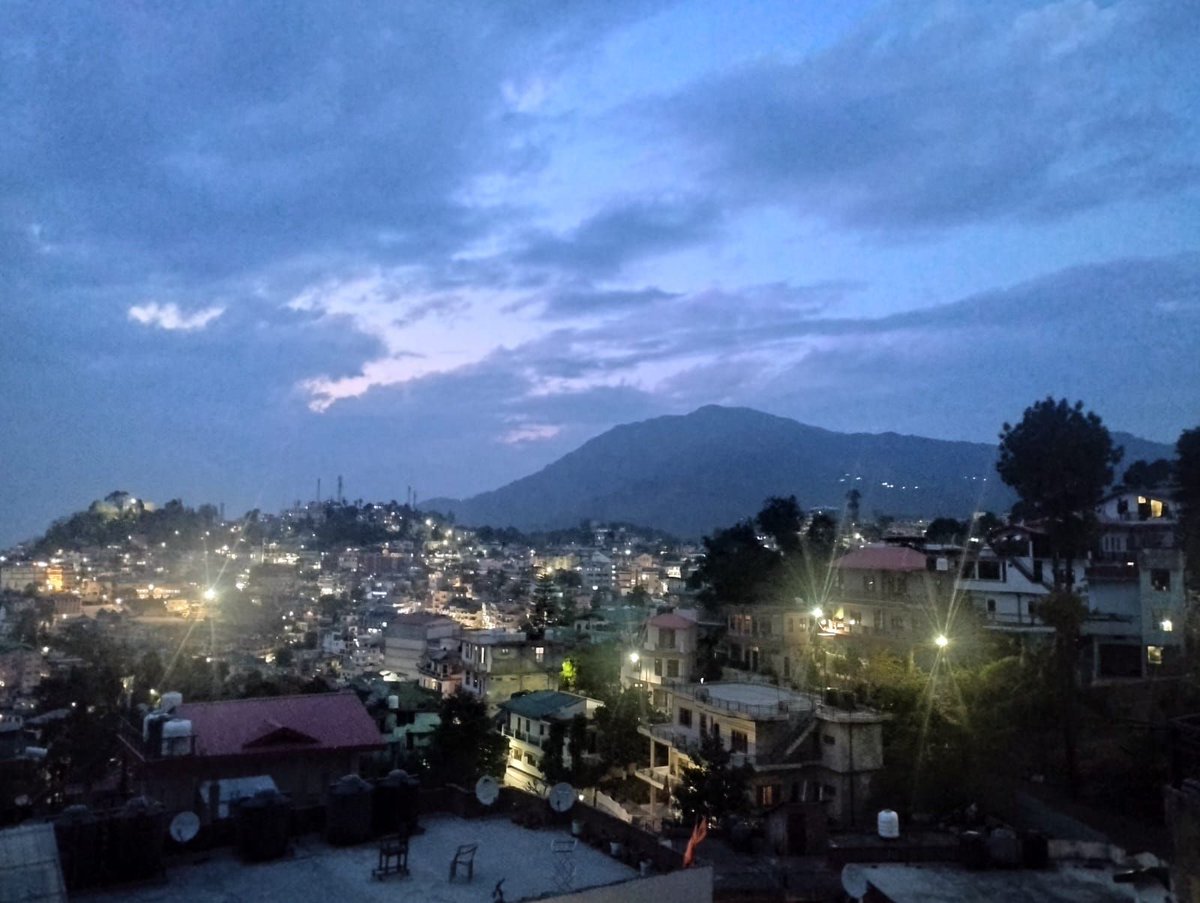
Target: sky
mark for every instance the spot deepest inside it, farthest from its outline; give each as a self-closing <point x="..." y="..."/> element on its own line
<point x="244" y="246"/>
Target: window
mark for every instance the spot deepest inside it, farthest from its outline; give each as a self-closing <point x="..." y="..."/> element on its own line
<point x="828" y="791"/>
<point x="989" y="570"/>
<point x="897" y="623"/>
<point x="685" y="717"/>
<point x="1037" y="570"/>
<point x="738" y="741"/>
<point x="791" y="625"/>
<point x="868" y="583"/>
<point x="539" y="652"/>
<point x="768" y="794"/>
<point x="787" y="667"/>
<point x="703" y="724"/>
<point x="530" y="760"/>
<point x="1160" y="580"/>
<point x="1154" y="655"/>
<point x="828" y="739"/>
<point x="666" y="638"/>
<point x="658" y="667"/>
<point x="991" y="607"/>
<point x="516" y="754"/>
<point x="673" y="667"/>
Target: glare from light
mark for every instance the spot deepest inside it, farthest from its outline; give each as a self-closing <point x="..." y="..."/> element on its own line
<point x="818" y="613"/>
<point x="633" y="657"/>
<point x="941" y="641"/>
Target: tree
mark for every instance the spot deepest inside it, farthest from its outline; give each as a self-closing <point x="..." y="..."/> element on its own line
<point x="1147" y="474"/>
<point x="1060" y="460"/>
<point x="713" y="788"/>
<point x="781" y="519"/>
<point x="946" y="530"/>
<point x="853" y="499"/>
<point x="618" y="741"/>
<point x="1187" y="474"/>
<point x="545" y="609"/>
<point x="736" y="567"/>
<point x="465" y="746"/>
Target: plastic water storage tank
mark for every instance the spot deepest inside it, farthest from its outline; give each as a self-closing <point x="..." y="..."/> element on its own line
<point x="263" y="826"/>
<point x="177" y="737"/>
<point x="348" y="811"/>
<point x="78" y="833"/>
<point x="135" y="840"/>
<point x="888" y="824"/>
<point x="170" y="702"/>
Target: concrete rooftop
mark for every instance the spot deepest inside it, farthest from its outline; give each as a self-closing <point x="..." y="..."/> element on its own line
<point x="522" y="857"/>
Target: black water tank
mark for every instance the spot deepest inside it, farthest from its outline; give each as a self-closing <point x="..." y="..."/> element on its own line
<point x="80" y="836"/>
<point x="348" y="811"/>
<point x="135" y="840"/>
<point x="263" y="826"/>
<point x="1035" y="850"/>
<point x="386" y="802"/>
<point x="972" y="850"/>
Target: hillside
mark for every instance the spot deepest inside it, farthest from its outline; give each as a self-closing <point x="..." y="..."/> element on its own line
<point x="689" y="474"/>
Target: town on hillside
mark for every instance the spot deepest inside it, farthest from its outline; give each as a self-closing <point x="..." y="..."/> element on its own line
<point x="799" y="704"/>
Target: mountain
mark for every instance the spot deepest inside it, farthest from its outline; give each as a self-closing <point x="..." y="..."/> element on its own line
<point x="693" y="473"/>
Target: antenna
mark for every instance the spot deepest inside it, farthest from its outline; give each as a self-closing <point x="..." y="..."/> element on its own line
<point x="562" y="797"/>
<point x="184" y="827"/>
<point x="318" y="490"/>
<point x="340" y="498"/>
<point x="487" y="789"/>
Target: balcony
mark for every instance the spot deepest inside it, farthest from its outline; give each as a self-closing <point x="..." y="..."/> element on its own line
<point x="521" y="736"/>
<point x="659" y="776"/>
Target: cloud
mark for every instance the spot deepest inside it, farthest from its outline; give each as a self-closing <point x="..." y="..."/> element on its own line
<point x="170" y="317"/>
<point x="925" y="117"/>
<point x="530" y="432"/>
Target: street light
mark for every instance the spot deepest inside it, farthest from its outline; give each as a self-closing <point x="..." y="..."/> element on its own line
<point x="941" y="641"/>
<point x="633" y="658"/>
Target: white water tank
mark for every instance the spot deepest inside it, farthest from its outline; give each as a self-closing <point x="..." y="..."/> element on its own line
<point x="177" y="737"/>
<point x="170" y="702"/>
<point x="393" y="703"/>
<point x="888" y="824"/>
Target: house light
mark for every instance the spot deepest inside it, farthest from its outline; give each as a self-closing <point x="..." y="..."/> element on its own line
<point x="1166" y="625"/>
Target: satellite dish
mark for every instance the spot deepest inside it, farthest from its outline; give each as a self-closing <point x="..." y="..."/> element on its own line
<point x="562" y="797"/>
<point x="486" y="790"/>
<point x="184" y="827"/>
<point x="854" y="881"/>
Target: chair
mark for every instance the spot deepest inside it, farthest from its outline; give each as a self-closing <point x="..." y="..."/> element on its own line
<point x="393" y="856"/>
<point x="464" y="857"/>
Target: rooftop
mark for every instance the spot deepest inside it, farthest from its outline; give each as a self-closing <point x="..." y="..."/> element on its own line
<point x="671" y="620"/>
<point x="276" y="724"/>
<point x="521" y="857"/>
<point x="541" y="703"/>
<point x="882" y="558"/>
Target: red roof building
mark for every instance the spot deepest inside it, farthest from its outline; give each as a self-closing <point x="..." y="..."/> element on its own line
<point x="302" y="743"/>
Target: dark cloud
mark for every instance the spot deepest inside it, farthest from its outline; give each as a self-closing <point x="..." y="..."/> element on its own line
<point x="621" y="233"/>
<point x="930" y="116"/>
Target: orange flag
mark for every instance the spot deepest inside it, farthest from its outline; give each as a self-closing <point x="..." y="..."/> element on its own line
<point x="698" y="834"/>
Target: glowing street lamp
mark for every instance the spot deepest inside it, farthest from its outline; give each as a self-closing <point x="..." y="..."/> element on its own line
<point x="633" y="658"/>
<point x="817" y="613"/>
<point x="210" y="594"/>
<point x="941" y="641"/>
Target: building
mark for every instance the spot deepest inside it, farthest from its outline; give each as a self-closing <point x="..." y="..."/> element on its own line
<point x="527" y="724"/>
<point x="499" y="663"/>
<point x="301" y="743"/>
<point x="888" y="591"/>
<point x="665" y="656"/>
<point x="799" y="748"/>
<point x="770" y="639"/>
<point x="409" y="638"/>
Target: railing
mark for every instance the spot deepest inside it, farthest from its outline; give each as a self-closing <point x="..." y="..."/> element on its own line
<point x="522" y="736"/>
<point x="781" y="708"/>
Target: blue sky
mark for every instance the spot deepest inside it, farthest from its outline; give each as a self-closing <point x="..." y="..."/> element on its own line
<point x="439" y="244"/>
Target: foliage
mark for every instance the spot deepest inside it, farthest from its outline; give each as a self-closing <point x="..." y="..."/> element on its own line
<point x="1059" y="459"/>
<point x="595" y="670"/>
<point x="736" y="568"/>
<point x="464" y="745"/>
<point x="713" y="788"/>
<point x="553" y="749"/>
<point x="1147" y="474"/>
<point x="946" y="530"/>
<point x="781" y="519"/>
<point x="618" y="741"/>
<point x="1187" y="475"/>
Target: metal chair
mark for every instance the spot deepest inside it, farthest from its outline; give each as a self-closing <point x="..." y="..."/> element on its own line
<point x="393" y="856"/>
<point x="464" y="857"/>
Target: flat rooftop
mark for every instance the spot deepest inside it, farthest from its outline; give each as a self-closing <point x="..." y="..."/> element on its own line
<point x="522" y="857"/>
<point x="945" y="883"/>
<point x="751" y="694"/>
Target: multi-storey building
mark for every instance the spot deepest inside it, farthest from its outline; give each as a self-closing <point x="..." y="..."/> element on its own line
<point x="890" y="591"/>
<point x="527" y="724"/>
<point x="665" y="656"/>
<point x="499" y="663"/>
<point x="799" y="748"/>
<point x="769" y="639"/>
<point x="409" y="637"/>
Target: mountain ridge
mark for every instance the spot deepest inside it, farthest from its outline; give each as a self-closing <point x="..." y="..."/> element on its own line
<point x="688" y="474"/>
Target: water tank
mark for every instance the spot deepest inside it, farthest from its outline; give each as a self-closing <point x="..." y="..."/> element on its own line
<point x="1004" y="849"/>
<point x="262" y="823"/>
<point x="152" y="733"/>
<point x="170" y="702"/>
<point x="348" y="811"/>
<point x="135" y="840"/>
<point x="972" y="850"/>
<point x="393" y="703"/>
<point x="888" y="824"/>
<point x="1035" y="850"/>
<point x="396" y="804"/>
<point x="79" y="835"/>
<point x="177" y="737"/>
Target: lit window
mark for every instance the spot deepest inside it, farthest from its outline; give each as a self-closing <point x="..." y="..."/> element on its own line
<point x="1154" y="655"/>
